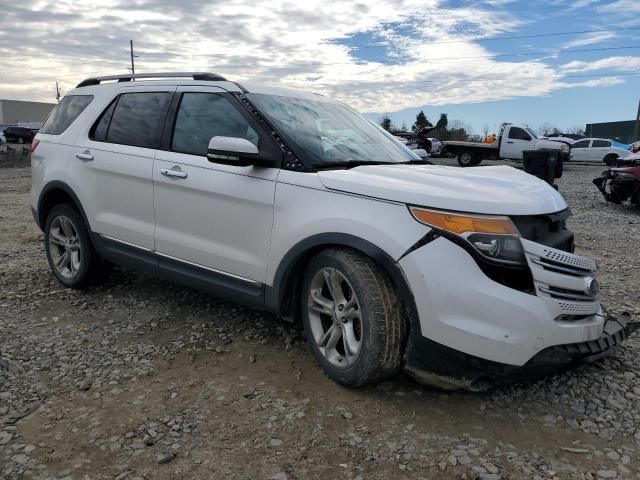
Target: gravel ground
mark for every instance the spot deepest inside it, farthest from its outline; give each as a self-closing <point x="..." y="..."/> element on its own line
<point x="140" y="378"/>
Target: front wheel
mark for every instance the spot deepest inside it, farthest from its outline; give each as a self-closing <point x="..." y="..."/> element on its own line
<point x="353" y="320"/>
<point x="610" y="160"/>
<point x="467" y="158"/>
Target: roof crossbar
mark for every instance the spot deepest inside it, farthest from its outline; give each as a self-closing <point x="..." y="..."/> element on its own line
<point x="209" y="77"/>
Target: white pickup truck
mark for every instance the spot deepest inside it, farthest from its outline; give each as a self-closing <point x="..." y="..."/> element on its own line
<point x="512" y="141"/>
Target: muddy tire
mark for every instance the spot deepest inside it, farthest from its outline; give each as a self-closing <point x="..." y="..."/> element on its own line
<point x="70" y="253"/>
<point x="467" y="158"/>
<point x="353" y="319"/>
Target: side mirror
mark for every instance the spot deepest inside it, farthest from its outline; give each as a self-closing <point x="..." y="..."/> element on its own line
<point x="233" y="151"/>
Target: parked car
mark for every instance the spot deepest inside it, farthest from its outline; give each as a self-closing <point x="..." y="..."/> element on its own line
<point x="3" y="139"/>
<point x="19" y="135"/>
<point x="511" y="142"/>
<point x="245" y="191"/>
<point x="597" y="150"/>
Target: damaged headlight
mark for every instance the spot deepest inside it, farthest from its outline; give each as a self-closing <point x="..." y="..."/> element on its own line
<point x="494" y="237"/>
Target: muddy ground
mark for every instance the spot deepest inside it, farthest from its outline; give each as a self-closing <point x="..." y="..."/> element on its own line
<point x="140" y="378"/>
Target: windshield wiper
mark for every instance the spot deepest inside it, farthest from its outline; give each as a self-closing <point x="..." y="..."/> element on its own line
<point x="346" y="164"/>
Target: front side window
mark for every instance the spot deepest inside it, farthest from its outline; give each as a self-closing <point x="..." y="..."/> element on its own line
<point x="63" y="115"/>
<point x="136" y="120"/>
<point x="581" y="144"/>
<point x="601" y="143"/>
<point x="516" y="133"/>
<point x="328" y="134"/>
<point x="202" y="116"/>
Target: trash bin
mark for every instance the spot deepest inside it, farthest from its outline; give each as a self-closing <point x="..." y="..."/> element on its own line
<point x="547" y="165"/>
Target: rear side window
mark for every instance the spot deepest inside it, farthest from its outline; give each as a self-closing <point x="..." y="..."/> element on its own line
<point x="601" y="143"/>
<point x="202" y="116"/>
<point x="133" y="119"/>
<point x="65" y="113"/>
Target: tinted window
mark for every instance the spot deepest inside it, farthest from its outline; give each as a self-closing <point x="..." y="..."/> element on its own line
<point x="99" y="131"/>
<point x="137" y="119"/>
<point x="518" y="134"/>
<point x="600" y="143"/>
<point x="581" y="144"/>
<point x="65" y="113"/>
<point x="202" y="116"/>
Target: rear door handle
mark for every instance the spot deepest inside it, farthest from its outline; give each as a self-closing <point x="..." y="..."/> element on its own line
<point x="86" y="156"/>
<point x="173" y="173"/>
<point x="509" y="141"/>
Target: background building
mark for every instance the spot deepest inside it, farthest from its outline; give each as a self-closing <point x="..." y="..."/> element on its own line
<point x="620" y="131"/>
<point x="14" y="112"/>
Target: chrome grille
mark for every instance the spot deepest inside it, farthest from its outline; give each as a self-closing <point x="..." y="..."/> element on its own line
<point x="563" y="278"/>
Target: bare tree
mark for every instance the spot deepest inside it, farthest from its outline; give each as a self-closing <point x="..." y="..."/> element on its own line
<point x="485" y="130"/>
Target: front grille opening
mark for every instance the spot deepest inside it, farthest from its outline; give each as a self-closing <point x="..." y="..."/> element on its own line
<point x="549" y="229"/>
<point x="518" y="278"/>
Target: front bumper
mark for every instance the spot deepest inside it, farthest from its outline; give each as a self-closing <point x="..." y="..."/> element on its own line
<point x="434" y="364"/>
<point x="470" y="327"/>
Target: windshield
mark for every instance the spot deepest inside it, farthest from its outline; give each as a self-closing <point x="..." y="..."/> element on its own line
<point x="329" y="134"/>
<point x="532" y="132"/>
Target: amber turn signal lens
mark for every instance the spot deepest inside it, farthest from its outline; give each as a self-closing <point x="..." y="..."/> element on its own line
<point x="459" y="224"/>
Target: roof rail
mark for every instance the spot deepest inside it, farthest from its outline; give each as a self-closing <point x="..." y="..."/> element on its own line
<point x="209" y="77"/>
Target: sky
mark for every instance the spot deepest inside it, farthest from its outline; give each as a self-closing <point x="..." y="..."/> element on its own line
<point x="547" y="63"/>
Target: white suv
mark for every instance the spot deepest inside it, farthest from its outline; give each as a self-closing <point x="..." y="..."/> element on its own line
<point x="295" y="203"/>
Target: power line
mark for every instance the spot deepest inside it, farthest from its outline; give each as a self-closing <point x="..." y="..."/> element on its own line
<point x="472" y="39"/>
<point x="478" y="79"/>
<point x="434" y="60"/>
<point x="449" y="59"/>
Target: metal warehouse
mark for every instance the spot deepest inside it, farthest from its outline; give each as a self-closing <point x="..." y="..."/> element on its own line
<point x="620" y="131"/>
<point x="17" y="111"/>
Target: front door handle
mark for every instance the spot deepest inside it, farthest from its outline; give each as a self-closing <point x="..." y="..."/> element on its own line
<point x="86" y="156"/>
<point x="173" y="173"/>
<point x="509" y="141"/>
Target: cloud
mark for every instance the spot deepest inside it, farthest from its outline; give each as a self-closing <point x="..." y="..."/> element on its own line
<point x="627" y="7"/>
<point x="614" y="63"/>
<point x="304" y="45"/>
<point x="590" y="39"/>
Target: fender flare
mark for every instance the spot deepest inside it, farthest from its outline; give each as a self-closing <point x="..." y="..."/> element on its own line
<point x="58" y="185"/>
<point x="276" y="294"/>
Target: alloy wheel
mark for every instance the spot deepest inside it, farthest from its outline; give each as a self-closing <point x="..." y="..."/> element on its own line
<point x="335" y="317"/>
<point x="64" y="247"/>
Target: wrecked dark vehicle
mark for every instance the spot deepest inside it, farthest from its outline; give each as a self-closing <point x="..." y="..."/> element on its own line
<point x="619" y="185"/>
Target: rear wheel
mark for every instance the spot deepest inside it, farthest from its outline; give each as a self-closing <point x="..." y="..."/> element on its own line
<point x="354" y="322"/>
<point x="467" y="158"/>
<point x="610" y="159"/>
<point x="70" y="253"/>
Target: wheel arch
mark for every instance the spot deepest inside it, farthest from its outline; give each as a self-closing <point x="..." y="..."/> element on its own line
<point x="284" y="296"/>
<point x="55" y="193"/>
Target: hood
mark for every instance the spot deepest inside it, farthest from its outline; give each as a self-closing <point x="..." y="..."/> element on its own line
<point x="498" y="190"/>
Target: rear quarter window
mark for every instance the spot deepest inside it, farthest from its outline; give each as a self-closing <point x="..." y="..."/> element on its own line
<point x="65" y="113"/>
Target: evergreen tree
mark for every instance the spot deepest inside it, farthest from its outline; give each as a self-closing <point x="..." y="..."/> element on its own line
<point x="385" y="122"/>
<point x="421" y="122"/>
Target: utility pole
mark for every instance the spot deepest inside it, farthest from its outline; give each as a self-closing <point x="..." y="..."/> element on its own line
<point x="57" y="93"/>
<point x="636" y="130"/>
<point x="133" y="68"/>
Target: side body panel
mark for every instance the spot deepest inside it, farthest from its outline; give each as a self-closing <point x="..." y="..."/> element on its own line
<point x="304" y="208"/>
